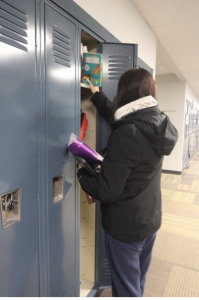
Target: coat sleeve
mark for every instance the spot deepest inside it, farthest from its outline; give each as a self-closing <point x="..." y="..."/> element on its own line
<point x="122" y="156"/>
<point x="103" y="105"/>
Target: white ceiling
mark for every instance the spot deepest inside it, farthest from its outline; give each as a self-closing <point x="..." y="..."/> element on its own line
<point x="176" y="25"/>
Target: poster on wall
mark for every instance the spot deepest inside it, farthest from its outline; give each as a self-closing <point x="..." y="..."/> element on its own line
<point x="191" y="133"/>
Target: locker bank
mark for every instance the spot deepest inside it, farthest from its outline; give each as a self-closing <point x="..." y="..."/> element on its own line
<point x="51" y="239"/>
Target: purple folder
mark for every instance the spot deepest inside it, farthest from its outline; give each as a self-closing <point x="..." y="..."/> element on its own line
<point x="77" y="147"/>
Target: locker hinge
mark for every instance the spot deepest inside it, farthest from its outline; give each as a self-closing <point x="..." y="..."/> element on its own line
<point x="75" y="58"/>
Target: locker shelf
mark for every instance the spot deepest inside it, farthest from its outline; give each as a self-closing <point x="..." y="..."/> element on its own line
<point x="86" y="287"/>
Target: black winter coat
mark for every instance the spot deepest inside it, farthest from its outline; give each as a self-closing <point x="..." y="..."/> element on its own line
<point x="129" y="183"/>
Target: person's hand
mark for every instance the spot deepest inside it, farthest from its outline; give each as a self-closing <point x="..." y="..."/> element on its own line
<point x="79" y="166"/>
<point x="94" y="89"/>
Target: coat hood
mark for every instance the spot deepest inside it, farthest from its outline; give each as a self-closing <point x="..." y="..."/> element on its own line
<point x="134" y="106"/>
<point x="153" y="124"/>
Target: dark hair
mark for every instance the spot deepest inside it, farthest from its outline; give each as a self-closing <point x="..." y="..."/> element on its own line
<point x="133" y="85"/>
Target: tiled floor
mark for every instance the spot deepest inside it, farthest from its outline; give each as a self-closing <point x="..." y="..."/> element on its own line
<point x="174" y="269"/>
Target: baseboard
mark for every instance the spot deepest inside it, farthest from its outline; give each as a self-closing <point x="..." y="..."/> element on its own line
<point x="172" y="172"/>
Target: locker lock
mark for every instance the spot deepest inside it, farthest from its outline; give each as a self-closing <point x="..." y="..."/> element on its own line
<point x="58" y="188"/>
<point x="10" y="208"/>
<point x="7" y="203"/>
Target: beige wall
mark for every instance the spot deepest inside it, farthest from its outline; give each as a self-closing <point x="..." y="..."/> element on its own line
<point x="123" y="20"/>
<point x="172" y="95"/>
<point x="171" y="99"/>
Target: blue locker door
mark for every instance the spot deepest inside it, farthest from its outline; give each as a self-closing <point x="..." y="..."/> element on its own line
<point x="19" y="263"/>
<point x="60" y="69"/>
<point x="142" y="64"/>
<point x="117" y="58"/>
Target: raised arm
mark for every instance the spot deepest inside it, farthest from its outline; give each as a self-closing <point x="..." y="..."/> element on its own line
<point x="102" y="103"/>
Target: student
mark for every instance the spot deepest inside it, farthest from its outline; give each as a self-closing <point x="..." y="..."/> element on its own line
<point x="129" y="183"/>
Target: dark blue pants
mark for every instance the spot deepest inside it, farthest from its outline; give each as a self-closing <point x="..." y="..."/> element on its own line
<point x="128" y="264"/>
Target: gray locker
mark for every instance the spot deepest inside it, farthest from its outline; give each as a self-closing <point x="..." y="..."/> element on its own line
<point x="117" y="58"/>
<point x="19" y="228"/>
<point x="40" y="107"/>
<point x="60" y="120"/>
<point x="142" y="64"/>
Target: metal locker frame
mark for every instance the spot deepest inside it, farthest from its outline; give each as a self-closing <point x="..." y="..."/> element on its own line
<point x="95" y="288"/>
<point x="100" y="269"/>
<point x="123" y="56"/>
<point x="59" y="274"/>
<point x="19" y="247"/>
<point x="41" y="206"/>
<point x="142" y="64"/>
<point x="102" y="272"/>
<point x="116" y="53"/>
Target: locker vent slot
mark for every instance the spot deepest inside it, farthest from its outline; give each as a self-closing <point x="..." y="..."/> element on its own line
<point x="107" y="273"/>
<point x="117" y="65"/>
<point x="61" y="47"/>
<point x="13" y="25"/>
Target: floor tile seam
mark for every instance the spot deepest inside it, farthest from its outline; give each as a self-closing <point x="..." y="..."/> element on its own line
<point x="166" y="295"/>
<point x="184" y="192"/>
<point x="180" y="232"/>
<point x="164" y="229"/>
<point x="185" y="267"/>
<point x="166" y="200"/>
<point x="166" y="194"/>
<point x="187" y="191"/>
<point x="186" y="235"/>
<point x="171" y="190"/>
<point x="181" y="201"/>
<point x="193" y="182"/>
<point x="172" y="193"/>
<point x="195" y="173"/>
<point x="191" y="167"/>
<point x="183" y="226"/>
<point x="190" y="177"/>
<point x="168" y="197"/>
<point x="180" y="218"/>
<point x="177" y="264"/>
<point x="190" y="291"/>
<point x="177" y="214"/>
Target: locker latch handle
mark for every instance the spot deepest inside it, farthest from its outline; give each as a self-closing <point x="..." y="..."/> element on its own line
<point x="7" y="203"/>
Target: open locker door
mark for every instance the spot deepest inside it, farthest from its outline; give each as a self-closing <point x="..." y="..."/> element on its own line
<point x="142" y="64"/>
<point x="117" y="58"/>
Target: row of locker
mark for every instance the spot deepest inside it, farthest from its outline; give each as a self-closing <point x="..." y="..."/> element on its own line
<point x="51" y="239"/>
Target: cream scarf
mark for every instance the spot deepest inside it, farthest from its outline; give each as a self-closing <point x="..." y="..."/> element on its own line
<point x="134" y="106"/>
